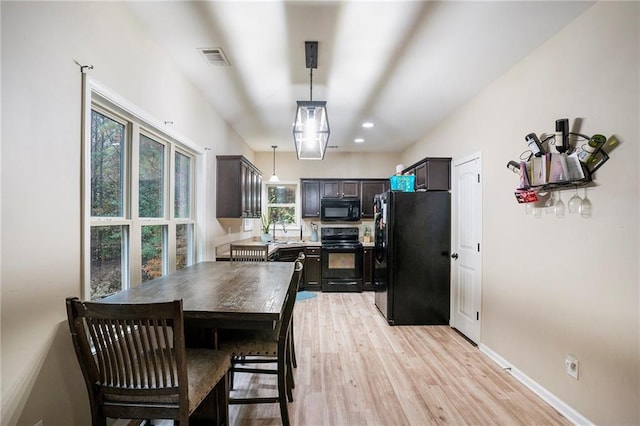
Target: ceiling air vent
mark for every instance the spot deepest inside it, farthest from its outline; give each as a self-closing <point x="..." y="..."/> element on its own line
<point x="214" y="56"/>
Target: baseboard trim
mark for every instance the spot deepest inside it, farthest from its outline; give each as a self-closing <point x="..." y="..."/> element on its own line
<point x="559" y="405"/>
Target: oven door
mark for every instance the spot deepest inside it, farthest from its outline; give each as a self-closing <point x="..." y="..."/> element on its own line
<point x="341" y="268"/>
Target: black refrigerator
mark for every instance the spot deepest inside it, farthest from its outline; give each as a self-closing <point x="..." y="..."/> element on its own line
<point x="412" y="264"/>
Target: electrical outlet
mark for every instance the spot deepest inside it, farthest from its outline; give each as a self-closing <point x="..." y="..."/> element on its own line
<point x="571" y="366"/>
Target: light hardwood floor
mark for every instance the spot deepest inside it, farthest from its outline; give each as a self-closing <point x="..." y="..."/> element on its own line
<point x="354" y="369"/>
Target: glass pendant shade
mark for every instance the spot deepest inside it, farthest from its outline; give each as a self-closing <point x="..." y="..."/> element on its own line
<point x="311" y="130"/>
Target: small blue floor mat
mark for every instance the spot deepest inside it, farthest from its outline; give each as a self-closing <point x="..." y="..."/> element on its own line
<point x="304" y="295"/>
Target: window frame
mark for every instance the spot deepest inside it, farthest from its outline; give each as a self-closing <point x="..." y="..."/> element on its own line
<point x="138" y="122"/>
<point x="296" y="205"/>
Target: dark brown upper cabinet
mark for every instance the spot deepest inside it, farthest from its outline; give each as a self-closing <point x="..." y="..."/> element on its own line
<point x="238" y="188"/>
<point x="313" y="190"/>
<point x="340" y="188"/>
<point x="432" y="174"/>
<point x="368" y="189"/>
<point x="310" y="190"/>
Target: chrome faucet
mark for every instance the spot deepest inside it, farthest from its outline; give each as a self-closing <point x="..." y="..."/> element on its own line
<point x="284" y="229"/>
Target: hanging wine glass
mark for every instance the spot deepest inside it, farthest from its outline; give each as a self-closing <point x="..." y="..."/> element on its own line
<point x="574" y="203"/>
<point x="585" y="206"/>
<point x="549" y="203"/>
<point x="559" y="207"/>
<point x="528" y="208"/>
<point x="537" y="212"/>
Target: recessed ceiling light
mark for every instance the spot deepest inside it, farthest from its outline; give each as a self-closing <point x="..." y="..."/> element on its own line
<point x="358" y="140"/>
<point x="367" y="124"/>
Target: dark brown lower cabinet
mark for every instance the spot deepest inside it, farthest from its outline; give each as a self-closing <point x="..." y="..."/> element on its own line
<point x="367" y="266"/>
<point x="312" y="269"/>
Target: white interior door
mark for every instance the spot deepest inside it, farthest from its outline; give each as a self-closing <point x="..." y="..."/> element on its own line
<point x="466" y="234"/>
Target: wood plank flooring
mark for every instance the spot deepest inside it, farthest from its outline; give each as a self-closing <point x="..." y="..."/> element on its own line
<point x="354" y="369"/>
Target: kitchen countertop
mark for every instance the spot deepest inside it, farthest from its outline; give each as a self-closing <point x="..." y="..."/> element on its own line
<point x="223" y="251"/>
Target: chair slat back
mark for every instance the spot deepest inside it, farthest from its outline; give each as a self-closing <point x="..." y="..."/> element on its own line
<point x="249" y="253"/>
<point x="131" y="353"/>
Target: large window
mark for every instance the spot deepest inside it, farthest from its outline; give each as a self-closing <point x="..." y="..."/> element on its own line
<point x="141" y="222"/>
<point x="151" y="180"/>
<point x="108" y="147"/>
<point x="281" y="203"/>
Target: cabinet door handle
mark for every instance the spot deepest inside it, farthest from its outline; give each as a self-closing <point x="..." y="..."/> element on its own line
<point x="454" y="255"/>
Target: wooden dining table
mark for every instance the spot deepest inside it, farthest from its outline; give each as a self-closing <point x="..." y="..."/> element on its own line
<point x="220" y="294"/>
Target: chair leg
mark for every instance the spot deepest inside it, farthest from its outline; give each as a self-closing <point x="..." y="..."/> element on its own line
<point x="231" y="374"/>
<point x="282" y="391"/>
<point x="222" y="393"/>
<point x="291" y="384"/>
<point x="97" y="419"/>
<point x="292" y="345"/>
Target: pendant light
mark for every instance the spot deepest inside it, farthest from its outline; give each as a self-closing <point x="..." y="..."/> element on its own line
<point x="274" y="177"/>
<point x="311" y="124"/>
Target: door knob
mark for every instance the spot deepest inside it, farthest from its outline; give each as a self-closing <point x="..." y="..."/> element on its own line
<point x="454" y="255"/>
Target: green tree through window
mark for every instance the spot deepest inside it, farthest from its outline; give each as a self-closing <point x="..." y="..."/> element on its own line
<point x="116" y="173"/>
<point x="281" y="203"/>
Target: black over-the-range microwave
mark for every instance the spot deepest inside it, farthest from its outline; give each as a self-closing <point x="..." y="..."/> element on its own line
<point x="340" y="210"/>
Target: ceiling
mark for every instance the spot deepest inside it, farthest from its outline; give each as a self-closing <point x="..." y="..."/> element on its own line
<point x="403" y="65"/>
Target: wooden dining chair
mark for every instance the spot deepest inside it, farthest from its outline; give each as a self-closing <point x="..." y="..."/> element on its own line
<point x="135" y="364"/>
<point x="249" y="253"/>
<point x="262" y="347"/>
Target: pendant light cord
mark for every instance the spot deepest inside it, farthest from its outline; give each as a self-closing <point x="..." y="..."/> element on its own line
<point x="311" y="84"/>
<point x="274" y="158"/>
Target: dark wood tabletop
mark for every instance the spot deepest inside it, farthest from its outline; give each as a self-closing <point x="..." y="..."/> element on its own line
<point x="222" y="293"/>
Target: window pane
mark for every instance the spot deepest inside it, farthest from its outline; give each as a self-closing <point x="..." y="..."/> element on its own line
<point x="286" y="215"/>
<point x="183" y="186"/>
<point x="106" y="260"/>
<point x="107" y="166"/>
<point x="281" y="194"/>
<point x="151" y="182"/>
<point x="153" y="243"/>
<point x="184" y="245"/>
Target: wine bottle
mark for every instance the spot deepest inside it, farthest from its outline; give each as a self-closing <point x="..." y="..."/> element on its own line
<point x="534" y="144"/>
<point x="591" y="148"/>
<point x="562" y="126"/>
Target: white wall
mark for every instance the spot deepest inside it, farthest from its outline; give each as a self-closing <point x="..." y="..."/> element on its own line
<point x="557" y="286"/>
<point x="335" y="165"/>
<point x="41" y="164"/>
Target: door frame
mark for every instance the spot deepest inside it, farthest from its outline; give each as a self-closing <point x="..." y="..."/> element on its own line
<point x="454" y="232"/>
